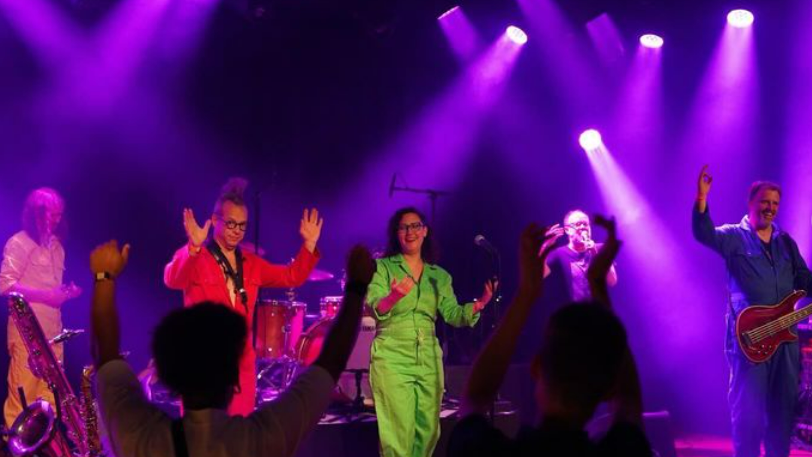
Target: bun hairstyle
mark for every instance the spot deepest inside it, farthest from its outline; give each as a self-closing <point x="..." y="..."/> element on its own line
<point x="232" y="191"/>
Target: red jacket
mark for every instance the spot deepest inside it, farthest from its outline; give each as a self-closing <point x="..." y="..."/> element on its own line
<point x="201" y="279"/>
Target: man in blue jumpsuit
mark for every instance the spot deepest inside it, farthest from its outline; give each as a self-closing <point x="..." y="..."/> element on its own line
<point x="763" y="265"/>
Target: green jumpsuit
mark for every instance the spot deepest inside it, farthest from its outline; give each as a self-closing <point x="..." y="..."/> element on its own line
<point x="406" y="368"/>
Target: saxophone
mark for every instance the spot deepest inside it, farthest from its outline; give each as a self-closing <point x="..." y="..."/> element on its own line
<point x="90" y="413"/>
<point x="36" y="428"/>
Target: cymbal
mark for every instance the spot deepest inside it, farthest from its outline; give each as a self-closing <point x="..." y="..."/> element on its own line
<point x="320" y="275"/>
<point x="248" y="246"/>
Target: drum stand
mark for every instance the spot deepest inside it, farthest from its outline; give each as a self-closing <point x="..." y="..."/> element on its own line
<point x="358" y="401"/>
<point x="357" y="408"/>
<point x="285" y="364"/>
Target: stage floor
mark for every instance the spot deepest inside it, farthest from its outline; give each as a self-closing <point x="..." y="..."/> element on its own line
<point x="715" y="446"/>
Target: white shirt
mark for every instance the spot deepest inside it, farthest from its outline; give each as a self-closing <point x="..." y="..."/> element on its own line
<point x="139" y="429"/>
<point x="36" y="266"/>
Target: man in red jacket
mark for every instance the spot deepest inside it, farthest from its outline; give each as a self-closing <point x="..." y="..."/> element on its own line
<point x="219" y="271"/>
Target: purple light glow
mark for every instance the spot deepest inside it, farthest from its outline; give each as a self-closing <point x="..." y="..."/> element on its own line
<point x="725" y="113"/>
<point x="567" y="55"/>
<point x="606" y="38"/>
<point x="651" y="41"/>
<point x="448" y="13"/>
<point x="590" y="140"/>
<point x="516" y="35"/>
<point x="52" y="36"/>
<point x="740" y="18"/>
<point x="440" y="141"/>
<point x="461" y="35"/>
<point x="797" y="163"/>
<point x="648" y="240"/>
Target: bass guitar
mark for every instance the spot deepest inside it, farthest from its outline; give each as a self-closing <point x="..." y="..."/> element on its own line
<point x="760" y="330"/>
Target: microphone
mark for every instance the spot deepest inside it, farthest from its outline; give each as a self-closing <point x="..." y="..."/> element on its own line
<point x="392" y="184"/>
<point x="587" y="240"/>
<point x="482" y="242"/>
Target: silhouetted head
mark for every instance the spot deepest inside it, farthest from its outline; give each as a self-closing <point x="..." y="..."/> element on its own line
<point x="197" y="353"/>
<point x="582" y="350"/>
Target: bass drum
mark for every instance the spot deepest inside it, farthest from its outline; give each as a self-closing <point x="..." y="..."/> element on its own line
<point x="309" y="348"/>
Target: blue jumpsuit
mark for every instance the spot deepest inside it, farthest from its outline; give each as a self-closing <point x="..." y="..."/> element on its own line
<point x="762" y="396"/>
<point x="406" y="368"/>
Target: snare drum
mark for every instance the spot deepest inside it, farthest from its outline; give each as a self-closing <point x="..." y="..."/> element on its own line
<point x="272" y="318"/>
<point x="328" y="306"/>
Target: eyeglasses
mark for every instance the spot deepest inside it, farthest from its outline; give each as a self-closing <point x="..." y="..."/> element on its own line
<point x="414" y="226"/>
<point x="231" y="225"/>
<point x="579" y="224"/>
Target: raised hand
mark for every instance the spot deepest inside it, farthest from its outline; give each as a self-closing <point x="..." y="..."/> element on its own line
<point x="534" y="248"/>
<point x="552" y="234"/>
<point x="360" y="265"/>
<point x="310" y="228"/>
<point x="704" y="184"/>
<point x="487" y="295"/>
<point x="601" y="265"/>
<point x="197" y="235"/>
<point x="108" y="258"/>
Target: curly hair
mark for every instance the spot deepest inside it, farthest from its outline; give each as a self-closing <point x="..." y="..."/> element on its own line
<point x="35" y="210"/>
<point x="429" y="249"/>
<point x="232" y="191"/>
<point x="189" y="360"/>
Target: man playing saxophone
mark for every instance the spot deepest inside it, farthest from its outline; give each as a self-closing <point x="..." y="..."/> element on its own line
<point x="33" y="264"/>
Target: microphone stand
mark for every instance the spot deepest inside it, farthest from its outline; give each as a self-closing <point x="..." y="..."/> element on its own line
<point x="496" y="259"/>
<point x="432" y="194"/>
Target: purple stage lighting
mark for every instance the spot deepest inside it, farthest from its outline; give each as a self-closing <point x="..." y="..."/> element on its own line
<point x="740" y="18"/>
<point x="448" y="13"/>
<point x="516" y="35"/>
<point x="651" y="40"/>
<point x="590" y="140"/>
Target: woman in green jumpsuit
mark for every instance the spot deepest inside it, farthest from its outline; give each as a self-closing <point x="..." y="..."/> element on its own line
<point x="406" y="368"/>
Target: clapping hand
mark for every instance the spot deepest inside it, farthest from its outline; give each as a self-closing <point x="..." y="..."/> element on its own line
<point x="401" y="288"/>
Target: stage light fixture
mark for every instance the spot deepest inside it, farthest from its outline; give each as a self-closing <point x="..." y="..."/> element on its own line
<point x="516" y="35"/>
<point x="740" y="18"/>
<point x="590" y="140"/>
<point x="651" y="41"/>
<point x="448" y="13"/>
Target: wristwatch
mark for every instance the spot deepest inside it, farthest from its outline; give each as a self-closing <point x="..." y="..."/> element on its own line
<point x="102" y="276"/>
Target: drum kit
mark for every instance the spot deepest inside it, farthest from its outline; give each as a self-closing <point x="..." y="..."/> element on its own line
<point x="287" y="340"/>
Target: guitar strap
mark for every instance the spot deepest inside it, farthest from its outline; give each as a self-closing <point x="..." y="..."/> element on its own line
<point x="235" y="276"/>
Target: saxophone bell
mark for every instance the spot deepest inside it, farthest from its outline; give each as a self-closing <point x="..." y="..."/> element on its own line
<point x="34" y="427"/>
